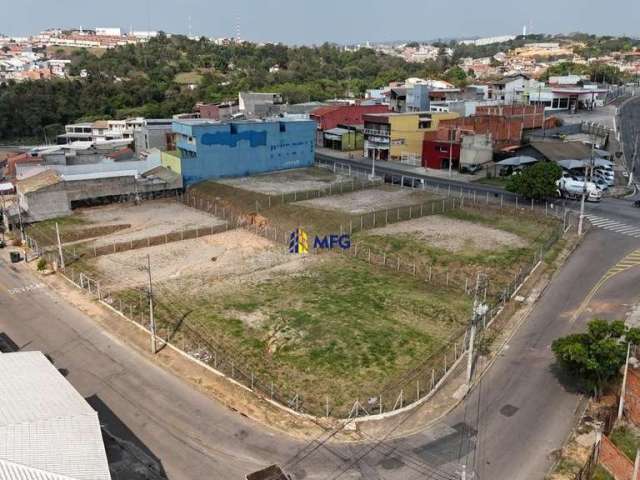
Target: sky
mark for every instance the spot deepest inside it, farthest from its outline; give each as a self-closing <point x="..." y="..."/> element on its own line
<point x="339" y="21"/>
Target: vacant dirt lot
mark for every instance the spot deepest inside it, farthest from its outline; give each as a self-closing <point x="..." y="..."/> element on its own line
<point x="237" y="257"/>
<point x="453" y="235"/>
<point x="298" y="180"/>
<point x="158" y="217"/>
<point x="371" y="200"/>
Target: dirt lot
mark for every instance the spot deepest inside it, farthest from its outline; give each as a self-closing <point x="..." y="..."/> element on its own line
<point x="453" y="235"/>
<point x="465" y="242"/>
<point x="371" y="200"/>
<point x="298" y="180"/>
<point x="149" y="219"/>
<point x="236" y="257"/>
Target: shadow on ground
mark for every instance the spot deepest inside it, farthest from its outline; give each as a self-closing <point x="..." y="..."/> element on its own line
<point x="129" y="458"/>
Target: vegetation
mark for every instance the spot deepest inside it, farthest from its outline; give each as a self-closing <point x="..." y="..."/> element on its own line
<point x="627" y="439"/>
<point x="597" y="72"/>
<point x="42" y="264"/>
<point x="155" y="79"/>
<point x="601" y="474"/>
<point x="537" y="181"/>
<point x="595" y="357"/>
<point x="499" y="264"/>
<point x="148" y="80"/>
<point x="340" y="328"/>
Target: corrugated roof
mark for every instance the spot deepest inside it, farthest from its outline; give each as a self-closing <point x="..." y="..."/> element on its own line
<point x="38" y="181"/>
<point x="10" y="470"/>
<point x="47" y="430"/>
<point x="337" y="131"/>
<point x="556" y="151"/>
<point x="99" y="175"/>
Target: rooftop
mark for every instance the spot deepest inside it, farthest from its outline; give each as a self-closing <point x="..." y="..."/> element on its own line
<point x="556" y="151"/>
<point x="38" y="181"/>
<point x="47" y="430"/>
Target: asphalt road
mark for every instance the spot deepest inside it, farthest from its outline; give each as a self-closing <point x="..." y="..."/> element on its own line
<point x="522" y="409"/>
<point x="621" y="210"/>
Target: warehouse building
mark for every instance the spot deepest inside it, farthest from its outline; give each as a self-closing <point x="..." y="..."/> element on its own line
<point x="49" y="194"/>
<point x="47" y="430"/>
<point x="210" y="150"/>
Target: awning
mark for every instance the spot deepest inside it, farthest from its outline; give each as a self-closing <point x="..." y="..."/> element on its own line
<point x="517" y="161"/>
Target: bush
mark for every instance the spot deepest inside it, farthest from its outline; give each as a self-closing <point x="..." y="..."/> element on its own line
<point x="537" y="181"/>
<point x="42" y="264"/>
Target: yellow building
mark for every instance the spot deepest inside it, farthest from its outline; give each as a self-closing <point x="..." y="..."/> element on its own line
<point x="171" y="160"/>
<point x="407" y="131"/>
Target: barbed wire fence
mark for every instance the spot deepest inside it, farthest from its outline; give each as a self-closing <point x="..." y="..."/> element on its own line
<point x="179" y="334"/>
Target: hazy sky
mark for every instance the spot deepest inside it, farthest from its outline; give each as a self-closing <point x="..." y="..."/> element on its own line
<point x="314" y="21"/>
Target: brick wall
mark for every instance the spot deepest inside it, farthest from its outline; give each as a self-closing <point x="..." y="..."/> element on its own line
<point x="504" y="131"/>
<point x="632" y="397"/>
<point x="614" y="461"/>
<point x="531" y="115"/>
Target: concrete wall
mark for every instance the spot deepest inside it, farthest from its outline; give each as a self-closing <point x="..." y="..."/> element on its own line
<point x="476" y="150"/>
<point x="45" y="204"/>
<point x="171" y="160"/>
<point x="211" y="151"/>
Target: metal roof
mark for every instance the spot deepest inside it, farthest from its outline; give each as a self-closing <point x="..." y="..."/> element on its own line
<point x="558" y="150"/>
<point x="47" y="430"/>
<point x="99" y="175"/>
<point x="337" y="131"/>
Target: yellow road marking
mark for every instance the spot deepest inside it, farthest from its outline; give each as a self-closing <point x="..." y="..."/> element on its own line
<point x="627" y="263"/>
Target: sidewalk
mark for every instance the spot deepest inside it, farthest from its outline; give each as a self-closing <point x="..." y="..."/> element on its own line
<point x="409" y="169"/>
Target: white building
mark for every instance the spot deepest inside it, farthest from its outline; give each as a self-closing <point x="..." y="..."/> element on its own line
<point x="102" y="131"/>
<point x="108" y="32"/>
<point x="47" y="430"/>
<point x="488" y="40"/>
<point x="510" y="89"/>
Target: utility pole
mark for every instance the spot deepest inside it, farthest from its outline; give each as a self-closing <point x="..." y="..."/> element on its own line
<point x="152" y="320"/>
<point x="587" y="180"/>
<point x="479" y="309"/>
<point x="372" y="177"/>
<point x="60" y="247"/>
<point x="624" y="383"/>
<point x="452" y="136"/>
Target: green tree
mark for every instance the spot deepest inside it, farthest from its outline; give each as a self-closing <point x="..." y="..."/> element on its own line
<point x="537" y="181"/>
<point x="595" y="357"/>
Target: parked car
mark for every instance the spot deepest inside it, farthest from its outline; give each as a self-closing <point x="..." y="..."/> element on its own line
<point x="601" y="184"/>
<point x="472" y="168"/>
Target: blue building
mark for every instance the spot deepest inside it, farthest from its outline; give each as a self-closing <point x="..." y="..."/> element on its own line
<point x="210" y="150"/>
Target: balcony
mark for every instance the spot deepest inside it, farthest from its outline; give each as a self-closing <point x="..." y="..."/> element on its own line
<point x="377" y="133"/>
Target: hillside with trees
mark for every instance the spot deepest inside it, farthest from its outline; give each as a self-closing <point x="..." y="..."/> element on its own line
<point x="152" y="80"/>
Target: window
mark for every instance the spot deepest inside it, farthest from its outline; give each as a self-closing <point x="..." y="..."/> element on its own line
<point x="233" y="128"/>
<point x="283" y="127"/>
